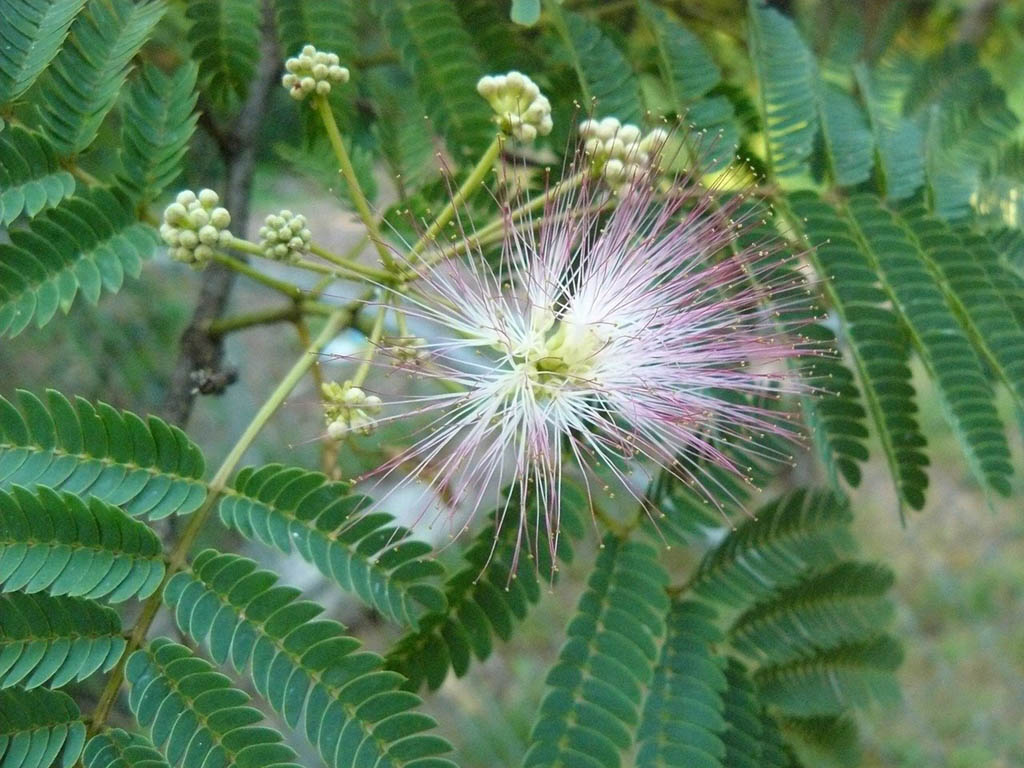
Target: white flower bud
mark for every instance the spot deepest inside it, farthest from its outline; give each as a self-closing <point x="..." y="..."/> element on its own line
<point x="224" y="238"/>
<point x="309" y="50"/>
<point x="588" y="128"/>
<point x="203" y="252"/>
<point x="607" y="128"/>
<point x="614" y="170"/>
<point x="187" y="238"/>
<point x="208" y="198"/>
<point x="175" y="213"/>
<point x="338" y="74"/>
<point x="337" y="430"/>
<point x="186" y="197"/>
<point x="198" y="218"/>
<point x="307" y="84"/>
<point x="332" y="59"/>
<point x="220" y="218"/>
<point x="208" y="235"/>
<point x="354" y="396"/>
<point x="320" y="71"/>
<point x="323" y="87"/>
<point x="629" y="133"/>
<point x="373" y="404"/>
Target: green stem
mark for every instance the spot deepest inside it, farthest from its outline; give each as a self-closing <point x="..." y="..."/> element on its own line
<point x="350" y="265"/>
<point x="177" y="557"/>
<point x="371" y="347"/>
<point x="355" y="190"/>
<point x="288" y="289"/>
<point x="469" y="186"/>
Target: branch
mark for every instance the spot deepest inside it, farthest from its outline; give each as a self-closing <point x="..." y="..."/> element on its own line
<point x="201" y="355"/>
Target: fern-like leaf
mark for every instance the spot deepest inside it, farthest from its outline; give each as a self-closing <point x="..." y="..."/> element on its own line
<point x="326" y="24"/>
<point x="829" y="741"/>
<point x="828" y="682"/>
<point x="147" y="468"/>
<point x="366" y="554"/>
<point x="849" y="142"/>
<point x="438" y="52"/>
<point x="194" y="715"/>
<point x="82" y="84"/>
<point x="898" y="139"/>
<point x="31" y="177"/>
<point x="30" y="37"/>
<point x="157" y="125"/>
<point x="943" y="345"/>
<point x="39" y="728"/>
<point x="802" y="530"/>
<point x="590" y="712"/>
<point x="743" y="736"/>
<point x="979" y="304"/>
<point x="84" y="245"/>
<point x="690" y="73"/>
<point x="845" y="603"/>
<point x="1001" y="254"/>
<point x="487" y="597"/>
<point x="682" y="719"/>
<point x="605" y="75"/>
<point x="66" y="546"/>
<point x="787" y="82"/>
<point x="878" y="342"/>
<point x="308" y="670"/>
<point x="55" y="639"/>
<point x="115" y="748"/>
<point x="225" y="37"/>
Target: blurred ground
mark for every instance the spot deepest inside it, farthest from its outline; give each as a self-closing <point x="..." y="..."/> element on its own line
<point x="959" y="563"/>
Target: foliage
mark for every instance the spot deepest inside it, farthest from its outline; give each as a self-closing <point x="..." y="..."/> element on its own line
<point x="883" y="154"/>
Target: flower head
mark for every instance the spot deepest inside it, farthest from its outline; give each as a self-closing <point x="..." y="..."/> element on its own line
<point x="312" y="71"/>
<point x="636" y="337"/>
<point x="620" y="152"/>
<point x="520" y="109"/>
<point x="194" y="225"/>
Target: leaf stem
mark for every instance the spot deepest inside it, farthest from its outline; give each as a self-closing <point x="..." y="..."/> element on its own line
<point x="469" y="186"/>
<point x="288" y="289"/>
<point x="355" y="190"/>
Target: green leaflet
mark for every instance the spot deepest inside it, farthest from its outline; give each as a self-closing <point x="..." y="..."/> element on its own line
<point x="830" y="681"/>
<point x="39" y="728"/>
<point x="595" y="689"/>
<point x="326" y="24"/>
<point x="85" y="245"/>
<point x="980" y="306"/>
<point x="877" y="340"/>
<point x="66" y="546"/>
<point x="488" y="596"/>
<point x="438" y="52"/>
<point x="825" y="740"/>
<point x="364" y="553"/>
<point x="787" y="82"/>
<point x="55" y="640"/>
<point x="683" y="715"/>
<point x="145" y="467"/>
<point x="83" y="82"/>
<point x="744" y="736"/>
<point x="28" y="46"/>
<point x="158" y="124"/>
<point x="605" y="76"/>
<point x="31" y="178"/>
<point x="690" y="73"/>
<point x="774" y="548"/>
<point x="844" y="603"/>
<point x="936" y="333"/>
<point x="308" y="670"/>
<point x="114" y="748"/>
<point x="194" y="715"/>
<point x="225" y="38"/>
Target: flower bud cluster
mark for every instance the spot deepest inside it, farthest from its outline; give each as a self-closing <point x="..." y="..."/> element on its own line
<point x="620" y="153"/>
<point x="348" y="410"/>
<point x="312" y="71"/>
<point x="284" y="236"/>
<point x="521" y="110"/>
<point x="408" y="349"/>
<point x="194" y="225"/>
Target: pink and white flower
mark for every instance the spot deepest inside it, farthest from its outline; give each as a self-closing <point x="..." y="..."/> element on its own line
<point x="610" y="338"/>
